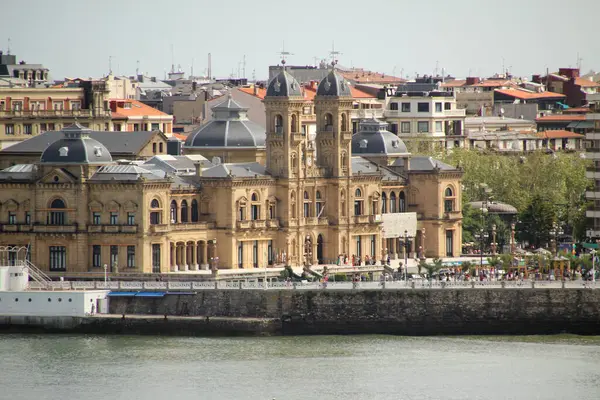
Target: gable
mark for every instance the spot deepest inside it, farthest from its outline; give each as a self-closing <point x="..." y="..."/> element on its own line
<point x="57" y="176"/>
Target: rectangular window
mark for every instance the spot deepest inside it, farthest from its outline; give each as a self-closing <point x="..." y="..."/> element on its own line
<point x="130" y="218"/>
<point x="448" y="205"/>
<point x="27" y="218"/>
<point x="155" y="127"/>
<point x="75" y="105"/>
<point x="117" y="127"/>
<point x="255" y="211"/>
<point x="447" y="106"/>
<point x="394" y="106"/>
<point x="373" y="252"/>
<point x="9" y="129"/>
<point x="114" y="218"/>
<point x="96" y="218"/>
<point x="57" y="105"/>
<point x="242" y="213"/>
<point x="96" y="256"/>
<point x="58" y="258"/>
<point x="438" y="126"/>
<point x="423" y="126"/>
<point x="423" y="107"/>
<point x="56" y="218"/>
<point x="306" y="210"/>
<point x="160" y="147"/>
<point x="154" y="218"/>
<point x="27" y="129"/>
<point x="394" y="128"/>
<point x="114" y="258"/>
<point x="405" y="127"/>
<point x="156" y="258"/>
<point x="449" y="243"/>
<point x="405" y="107"/>
<point x="358" y="248"/>
<point x="270" y="252"/>
<point x="17" y="105"/>
<point x="43" y="127"/>
<point x="12" y="218"/>
<point x="438" y="107"/>
<point x="241" y="255"/>
<point x="50" y="126"/>
<point x="130" y="256"/>
<point x="136" y="128"/>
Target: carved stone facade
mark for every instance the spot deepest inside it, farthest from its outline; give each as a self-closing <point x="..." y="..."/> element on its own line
<point x="78" y="216"/>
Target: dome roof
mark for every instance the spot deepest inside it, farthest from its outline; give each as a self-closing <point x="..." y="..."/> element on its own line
<point x="334" y="85"/>
<point x="76" y="147"/>
<point x="284" y="85"/>
<point x="230" y="127"/>
<point x="374" y="138"/>
<point x="494" y="207"/>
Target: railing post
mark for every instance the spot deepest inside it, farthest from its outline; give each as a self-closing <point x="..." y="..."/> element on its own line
<point x="216" y="284"/>
<point x="412" y="284"/>
<point x="533" y="284"/>
<point x="383" y="284"/>
<point x="240" y="285"/>
<point x="503" y="284"/>
<point x="472" y="284"/>
<point x="563" y="284"/>
<point x="294" y="285"/>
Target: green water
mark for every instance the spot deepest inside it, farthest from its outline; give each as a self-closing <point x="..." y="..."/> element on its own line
<point x="310" y="367"/>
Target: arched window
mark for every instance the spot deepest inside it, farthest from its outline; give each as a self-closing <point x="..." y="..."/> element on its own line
<point x="306" y="204"/>
<point x="173" y="212"/>
<point x="393" y="208"/>
<point x="242" y="209"/>
<point x="328" y="122"/>
<point x="278" y="124"/>
<point x="402" y="199"/>
<point x="254" y="197"/>
<point x="319" y="204"/>
<point x="344" y="123"/>
<point x="449" y="200"/>
<point x="184" y="211"/>
<point x="57" y="215"/>
<point x="154" y="213"/>
<point x="294" y="162"/>
<point x="358" y="202"/>
<point x="344" y="161"/>
<point x="383" y="203"/>
<point x="194" y="210"/>
<point x="294" y="123"/>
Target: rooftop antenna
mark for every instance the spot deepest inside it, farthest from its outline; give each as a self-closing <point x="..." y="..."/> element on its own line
<point x="192" y="69"/>
<point x="333" y="53"/>
<point x="110" y="65"/>
<point x="503" y="70"/>
<point x="579" y="60"/>
<point x="209" y="66"/>
<point x="172" y="59"/>
<point x="8" y="50"/>
<point x="316" y="60"/>
<point x="284" y="53"/>
<point x="437" y="67"/>
<point x="137" y="68"/>
<point x="244" y="67"/>
<point x="254" y="75"/>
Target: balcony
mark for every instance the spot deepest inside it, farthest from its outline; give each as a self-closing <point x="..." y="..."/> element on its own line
<point x="323" y="221"/>
<point x="394" y="113"/>
<point x="243" y="224"/>
<point x="375" y="219"/>
<point x="592" y="214"/>
<point x="273" y="223"/>
<point x="103" y="228"/>
<point x="159" y="228"/>
<point x="592" y="174"/>
<point x="129" y="228"/>
<point x="592" y="195"/>
<point x="347" y="135"/>
<point x="191" y="226"/>
<point x="15" y="228"/>
<point x="293" y="222"/>
<point x="298" y="137"/>
<point x="455" y="113"/>
<point x="259" y="224"/>
<point x="47" y="114"/>
<point x="69" y="228"/>
<point x="453" y="215"/>
<point x="362" y="219"/>
<point x="367" y="113"/>
<point x="111" y="228"/>
<point x="311" y="221"/>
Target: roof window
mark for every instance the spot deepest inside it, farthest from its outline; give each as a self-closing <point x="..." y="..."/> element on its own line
<point x="63" y="151"/>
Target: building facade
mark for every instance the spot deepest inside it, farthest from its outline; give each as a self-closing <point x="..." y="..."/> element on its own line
<point x="309" y="202"/>
<point x="593" y="173"/>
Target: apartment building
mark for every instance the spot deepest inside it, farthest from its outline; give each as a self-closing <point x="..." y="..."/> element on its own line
<point x="593" y="173"/>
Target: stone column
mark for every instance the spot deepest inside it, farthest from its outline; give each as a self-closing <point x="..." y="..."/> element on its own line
<point x="185" y="256"/>
<point x="205" y="255"/>
<point x="193" y="257"/>
<point x="174" y="259"/>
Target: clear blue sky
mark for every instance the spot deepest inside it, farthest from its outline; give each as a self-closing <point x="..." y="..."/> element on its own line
<point x="76" y="37"/>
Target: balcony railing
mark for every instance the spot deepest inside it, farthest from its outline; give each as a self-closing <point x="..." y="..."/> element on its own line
<point x="15" y="228"/>
<point x="69" y="228"/>
<point x="323" y="221"/>
<point x="259" y="223"/>
<point x="243" y="224"/>
<point x="49" y="113"/>
<point x="273" y="223"/>
<point x="375" y="219"/>
<point x="106" y="228"/>
<point x="455" y="113"/>
<point x="191" y="226"/>
<point x="159" y="228"/>
<point x="362" y="219"/>
<point x="368" y="112"/>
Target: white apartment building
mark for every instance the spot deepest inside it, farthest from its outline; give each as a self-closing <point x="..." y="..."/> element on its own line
<point x="428" y="115"/>
<point x="593" y="173"/>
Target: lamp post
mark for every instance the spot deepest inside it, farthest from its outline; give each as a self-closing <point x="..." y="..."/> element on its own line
<point x="512" y="238"/>
<point x="105" y="273"/>
<point x="555" y="232"/>
<point x="481" y="236"/>
<point x="593" y="252"/>
<point x="494" y="244"/>
<point x="406" y="248"/>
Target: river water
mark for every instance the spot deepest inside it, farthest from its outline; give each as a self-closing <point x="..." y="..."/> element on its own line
<point x="53" y="367"/>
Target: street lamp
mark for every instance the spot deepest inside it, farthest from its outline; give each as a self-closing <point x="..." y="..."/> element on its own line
<point x="555" y="232"/>
<point x="512" y="238"/>
<point x="406" y="245"/>
<point x="494" y="244"/>
<point x="481" y="236"/>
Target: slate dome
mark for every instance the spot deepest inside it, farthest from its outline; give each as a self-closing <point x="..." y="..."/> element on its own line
<point x="230" y="127"/>
<point x="334" y="85"/>
<point x="76" y="147"/>
<point x="284" y="85"/>
<point x="374" y="138"/>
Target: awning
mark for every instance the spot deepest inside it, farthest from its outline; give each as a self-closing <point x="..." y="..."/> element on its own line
<point x="122" y="294"/>
<point x="150" y="294"/>
<point x="137" y="294"/>
<point x="581" y="124"/>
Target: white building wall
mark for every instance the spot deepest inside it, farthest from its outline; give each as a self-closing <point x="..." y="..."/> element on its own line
<point x="50" y="304"/>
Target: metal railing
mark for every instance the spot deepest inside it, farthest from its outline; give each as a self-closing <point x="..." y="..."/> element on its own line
<point x="279" y="285"/>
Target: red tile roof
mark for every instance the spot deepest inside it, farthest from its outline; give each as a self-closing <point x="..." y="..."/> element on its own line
<point x="359" y="75"/>
<point x="260" y="92"/>
<point x="525" y="95"/>
<point x="577" y="110"/>
<point x="583" y="82"/>
<point x="179" y="136"/>
<point x="137" y="109"/>
<point x="455" y="83"/>
<point x="560" y="134"/>
<point x="561" y="117"/>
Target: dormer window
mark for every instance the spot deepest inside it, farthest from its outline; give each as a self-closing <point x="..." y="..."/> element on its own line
<point x="63" y="151"/>
<point x="363" y="143"/>
<point x="127" y="105"/>
<point x="97" y="151"/>
<point x="395" y="144"/>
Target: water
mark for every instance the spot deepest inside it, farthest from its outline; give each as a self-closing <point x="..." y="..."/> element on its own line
<point x="323" y="367"/>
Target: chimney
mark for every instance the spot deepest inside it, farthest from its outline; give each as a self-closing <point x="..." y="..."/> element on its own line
<point x="198" y="166"/>
<point x="472" y="80"/>
<point x="255" y="90"/>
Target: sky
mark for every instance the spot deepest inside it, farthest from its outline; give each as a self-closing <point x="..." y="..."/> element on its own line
<point x="76" y="38"/>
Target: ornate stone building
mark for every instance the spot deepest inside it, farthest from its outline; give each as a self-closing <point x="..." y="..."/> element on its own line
<point x="309" y="201"/>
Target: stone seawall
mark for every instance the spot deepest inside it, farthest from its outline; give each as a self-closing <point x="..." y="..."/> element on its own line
<point x="273" y="312"/>
<point x="407" y="312"/>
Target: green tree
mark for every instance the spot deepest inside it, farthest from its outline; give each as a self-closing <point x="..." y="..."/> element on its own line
<point x="536" y="222"/>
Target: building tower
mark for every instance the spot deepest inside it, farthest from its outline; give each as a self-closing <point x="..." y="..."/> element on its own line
<point x="286" y="139"/>
<point x="333" y="104"/>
